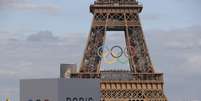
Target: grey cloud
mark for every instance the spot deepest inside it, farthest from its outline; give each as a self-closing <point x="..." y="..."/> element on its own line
<point x="43" y="36"/>
<point x="181" y="38"/>
<point x="28" y="5"/>
<point x="48" y="8"/>
<point x="6" y="35"/>
<point x="194" y="1"/>
<point x="151" y="17"/>
<point x="5" y="2"/>
<point x="42" y="49"/>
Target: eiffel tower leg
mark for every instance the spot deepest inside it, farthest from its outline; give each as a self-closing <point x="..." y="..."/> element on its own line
<point x="137" y="50"/>
<point x="91" y="60"/>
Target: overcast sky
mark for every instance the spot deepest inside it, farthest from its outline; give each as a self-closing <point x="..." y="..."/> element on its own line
<point x="37" y="35"/>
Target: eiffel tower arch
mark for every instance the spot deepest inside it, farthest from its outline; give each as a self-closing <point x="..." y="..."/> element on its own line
<point x="141" y="83"/>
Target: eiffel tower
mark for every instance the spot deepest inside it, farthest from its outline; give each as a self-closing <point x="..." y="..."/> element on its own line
<point x="141" y="82"/>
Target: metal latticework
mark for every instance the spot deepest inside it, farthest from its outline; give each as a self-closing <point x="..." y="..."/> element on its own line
<point x="141" y="83"/>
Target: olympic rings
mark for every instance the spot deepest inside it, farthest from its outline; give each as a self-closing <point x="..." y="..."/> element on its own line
<point x="104" y="52"/>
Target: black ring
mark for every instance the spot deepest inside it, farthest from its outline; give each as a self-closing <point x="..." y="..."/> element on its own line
<point x="113" y="54"/>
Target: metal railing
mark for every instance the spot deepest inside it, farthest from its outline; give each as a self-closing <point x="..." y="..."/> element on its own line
<point x="121" y="76"/>
<point x="127" y="75"/>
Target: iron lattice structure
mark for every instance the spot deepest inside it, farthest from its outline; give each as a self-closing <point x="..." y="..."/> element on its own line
<point x="141" y="83"/>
